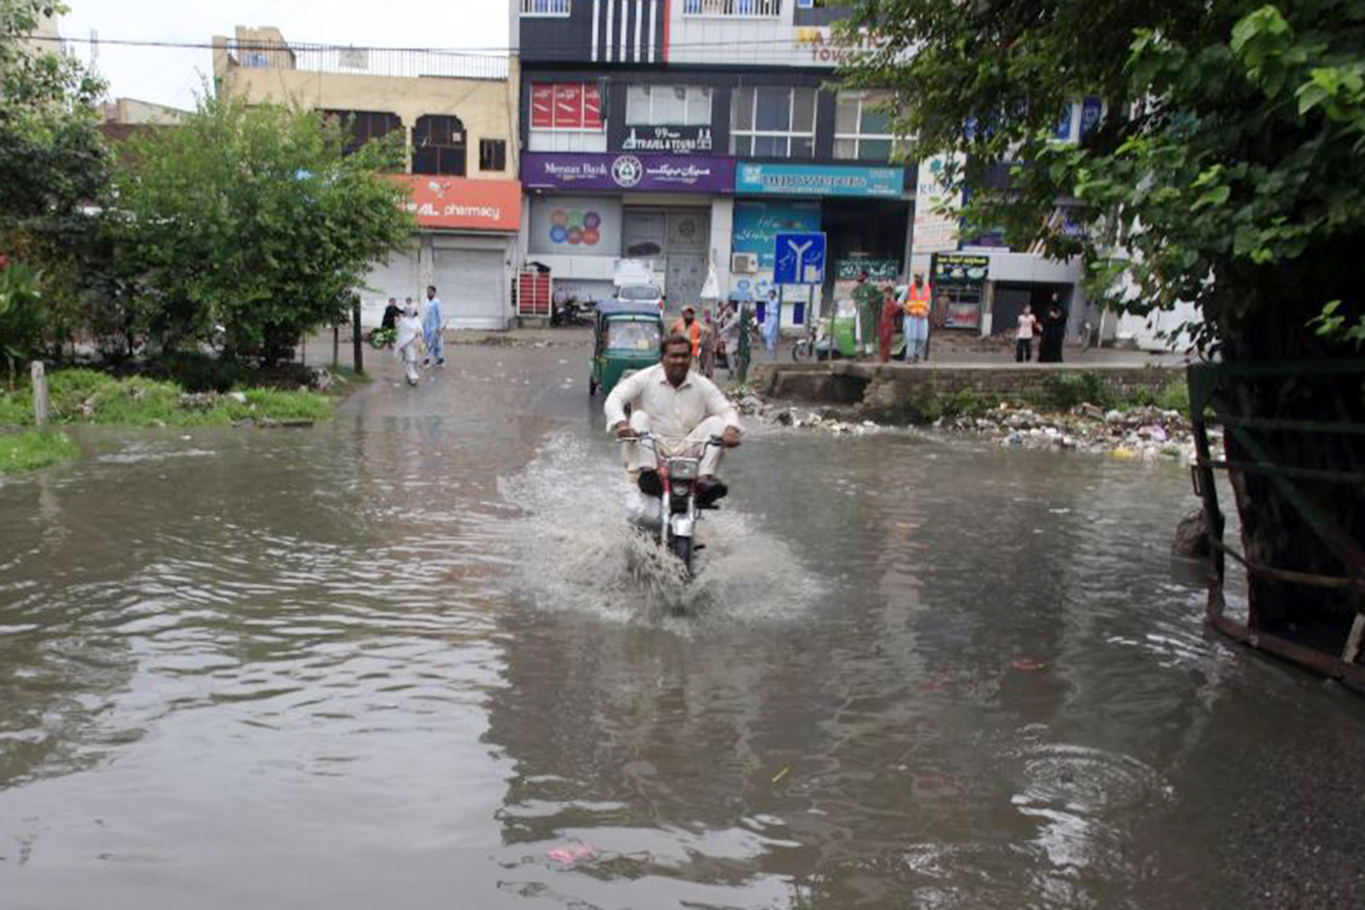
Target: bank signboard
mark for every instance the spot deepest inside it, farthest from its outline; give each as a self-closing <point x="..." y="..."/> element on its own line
<point x="819" y="180"/>
<point x="627" y="172"/>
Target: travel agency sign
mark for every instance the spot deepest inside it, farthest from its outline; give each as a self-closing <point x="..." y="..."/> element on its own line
<point x="643" y="173"/>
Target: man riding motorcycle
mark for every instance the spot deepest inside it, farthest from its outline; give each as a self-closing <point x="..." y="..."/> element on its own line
<point x="682" y="410"/>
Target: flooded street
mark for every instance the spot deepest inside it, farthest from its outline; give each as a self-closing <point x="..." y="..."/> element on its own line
<point x="413" y="659"/>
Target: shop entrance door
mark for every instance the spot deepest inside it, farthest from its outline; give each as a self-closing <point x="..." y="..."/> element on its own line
<point x="685" y="278"/>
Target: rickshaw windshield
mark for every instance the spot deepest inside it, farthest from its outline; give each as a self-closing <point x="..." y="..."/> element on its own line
<point x="634" y="335"/>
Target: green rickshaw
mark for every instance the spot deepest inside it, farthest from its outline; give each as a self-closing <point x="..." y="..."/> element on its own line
<point x="626" y="338"/>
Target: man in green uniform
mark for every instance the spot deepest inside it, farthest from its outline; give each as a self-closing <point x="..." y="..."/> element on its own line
<point x="868" y="299"/>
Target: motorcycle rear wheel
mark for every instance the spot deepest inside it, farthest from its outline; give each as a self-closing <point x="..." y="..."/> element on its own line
<point x="682" y="548"/>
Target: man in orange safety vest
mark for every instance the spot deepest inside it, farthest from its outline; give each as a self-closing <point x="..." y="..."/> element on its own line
<point x="916" y="323"/>
<point x="690" y="329"/>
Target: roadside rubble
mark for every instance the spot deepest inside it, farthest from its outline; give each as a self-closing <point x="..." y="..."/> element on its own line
<point x="1145" y="433"/>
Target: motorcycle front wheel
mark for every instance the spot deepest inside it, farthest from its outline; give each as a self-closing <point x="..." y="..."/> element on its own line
<point x="682" y="548"/>
<point x="802" y="350"/>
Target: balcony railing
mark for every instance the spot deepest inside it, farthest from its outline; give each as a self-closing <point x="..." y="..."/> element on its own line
<point x="739" y="9"/>
<point x="359" y="61"/>
<point x="545" y="7"/>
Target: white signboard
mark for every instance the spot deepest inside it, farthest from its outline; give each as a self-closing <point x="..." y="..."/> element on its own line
<point x="936" y="214"/>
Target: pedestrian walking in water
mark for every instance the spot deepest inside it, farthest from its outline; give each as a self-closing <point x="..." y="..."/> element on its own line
<point x="1023" y="337"/>
<point x="408" y="341"/>
<point x="772" y="323"/>
<point x="433" y="329"/>
<point x="1054" y="332"/>
<point x="886" y="328"/>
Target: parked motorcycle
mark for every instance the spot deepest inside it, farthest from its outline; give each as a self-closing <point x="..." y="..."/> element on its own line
<point x="678" y="505"/>
<point x="574" y="312"/>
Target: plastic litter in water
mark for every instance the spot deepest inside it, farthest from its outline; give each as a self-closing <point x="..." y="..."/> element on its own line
<point x="572" y="853"/>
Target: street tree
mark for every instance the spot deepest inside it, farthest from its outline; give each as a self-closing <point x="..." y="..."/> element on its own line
<point x="253" y="219"/>
<point x="1227" y="169"/>
<point x="53" y="165"/>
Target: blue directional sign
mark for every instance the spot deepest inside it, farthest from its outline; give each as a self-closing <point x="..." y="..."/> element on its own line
<point x="799" y="258"/>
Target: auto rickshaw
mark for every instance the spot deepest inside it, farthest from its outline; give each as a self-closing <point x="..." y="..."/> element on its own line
<point x="626" y="338"/>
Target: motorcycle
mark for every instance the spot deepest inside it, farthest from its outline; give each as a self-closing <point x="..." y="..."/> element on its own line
<point x="574" y="312"/>
<point x="678" y="507"/>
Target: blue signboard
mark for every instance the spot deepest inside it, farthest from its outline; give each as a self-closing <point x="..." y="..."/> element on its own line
<point x="818" y="180"/>
<point x="758" y="223"/>
<point x="800" y="259"/>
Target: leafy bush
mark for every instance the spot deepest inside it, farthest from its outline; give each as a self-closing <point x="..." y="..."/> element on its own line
<point x="1175" y="397"/>
<point x="196" y="371"/>
<point x="21" y="315"/>
<point x="1066" y="390"/>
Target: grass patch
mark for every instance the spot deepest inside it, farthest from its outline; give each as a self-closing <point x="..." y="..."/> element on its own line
<point x="81" y="396"/>
<point x="1066" y="390"/>
<point x="1175" y="397"/>
<point x="34" y="449"/>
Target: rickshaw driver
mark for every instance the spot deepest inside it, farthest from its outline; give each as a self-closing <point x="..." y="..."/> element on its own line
<point x="686" y="408"/>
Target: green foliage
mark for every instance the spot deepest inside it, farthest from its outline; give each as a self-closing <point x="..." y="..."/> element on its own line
<point x="253" y="219"/>
<point x="53" y="163"/>
<point x="966" y="403"/>
<point x="1175" y="397"/>
<point x="1228" y="167"/>
<point x="21" y="315"/>
<point x="1066" y="390"/>
<point x="89" y="396"/>
<point x="34" y="449"/>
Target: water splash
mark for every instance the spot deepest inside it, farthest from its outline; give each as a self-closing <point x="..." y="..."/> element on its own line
<point x="577" y="553"/>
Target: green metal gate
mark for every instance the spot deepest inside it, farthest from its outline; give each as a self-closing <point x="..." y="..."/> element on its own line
<point x="1214" y="401"/>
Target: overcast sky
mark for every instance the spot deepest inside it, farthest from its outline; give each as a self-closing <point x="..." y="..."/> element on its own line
<point x="173" y="75"/>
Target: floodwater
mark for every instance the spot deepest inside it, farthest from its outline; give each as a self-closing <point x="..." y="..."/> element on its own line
<point x="412" y="659"/>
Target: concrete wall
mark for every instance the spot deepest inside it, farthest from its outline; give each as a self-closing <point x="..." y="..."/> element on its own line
<point x="486" y="107"/>
<point x="893" y="393"/>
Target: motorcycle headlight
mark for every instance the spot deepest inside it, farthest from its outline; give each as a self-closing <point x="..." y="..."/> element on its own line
<point x="682" y="470"/>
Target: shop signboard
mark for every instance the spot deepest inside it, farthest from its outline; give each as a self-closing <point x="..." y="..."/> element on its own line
<point x="936" y="213"/>
<point x="629" y="172"/>
<point x="757" y="224"/>
<point x="677" y="140"/>
<point x="819" y="180"/>
<point x="960" y="269"/>
<point x="575" y="226"/>
<point x="458" y="203"/>
<point x="876" y="269"/>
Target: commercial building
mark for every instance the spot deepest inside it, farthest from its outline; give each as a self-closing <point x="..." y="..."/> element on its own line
<point x="690" y="132"/>
<point x="458" y="116"/>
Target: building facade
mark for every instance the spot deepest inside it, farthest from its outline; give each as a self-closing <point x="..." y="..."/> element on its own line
<point x="458" y="116"/>
<point x="691" y="132"/>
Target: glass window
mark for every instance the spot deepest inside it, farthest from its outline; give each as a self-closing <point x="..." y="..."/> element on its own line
<point x="637" y="104"/>
<point x="670" y="105"/>
<point x="846" y="115"/>
<point x="699" y="106"/>
<point x="803" y="110"/>
<point x="875" y="122"/>
<point x="770" y="147"/>
<point x="742" y="146"/>
<point x="874" y="149"/>
<point x="742" y="109"/>
<point x="803" y="148"/>
<point x="773" y="112"/>
<point x="492" y="155"/>
<point x="637" y="336"/>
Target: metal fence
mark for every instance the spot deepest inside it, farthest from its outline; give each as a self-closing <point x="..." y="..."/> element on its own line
<point x="361" y="61"/>
<point x="545" y="7"/>
<point x="1258" y="450"/>
<point x="757" y="9"/>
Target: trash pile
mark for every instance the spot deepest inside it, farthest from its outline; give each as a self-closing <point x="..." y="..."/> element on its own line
<point x="1145" y="433"/>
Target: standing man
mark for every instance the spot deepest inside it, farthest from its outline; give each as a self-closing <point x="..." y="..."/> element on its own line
<point x="772" y="323"/>
<point x="706" y="356"/>
<point x="916" y="323"/>
<point x="687" y="326"/>
<point x="869" y="302"/>
<point x="433" y="329"/>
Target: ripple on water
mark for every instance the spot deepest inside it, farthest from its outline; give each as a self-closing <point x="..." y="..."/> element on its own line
<point x="576" y="553"/>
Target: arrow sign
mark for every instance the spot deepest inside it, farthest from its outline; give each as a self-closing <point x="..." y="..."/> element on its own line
<point x="799" y="258"/>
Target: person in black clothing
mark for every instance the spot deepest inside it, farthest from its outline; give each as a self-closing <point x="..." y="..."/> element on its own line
<point x="392" y="313"/>
<point x="1054" y="332"/>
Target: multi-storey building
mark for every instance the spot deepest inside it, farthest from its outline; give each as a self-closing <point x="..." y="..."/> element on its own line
<point x="690" y="132"/>
<point x="458" y="116"/>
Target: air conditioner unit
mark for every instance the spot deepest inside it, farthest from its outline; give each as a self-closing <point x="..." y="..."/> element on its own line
<point x="744" y="262"/>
